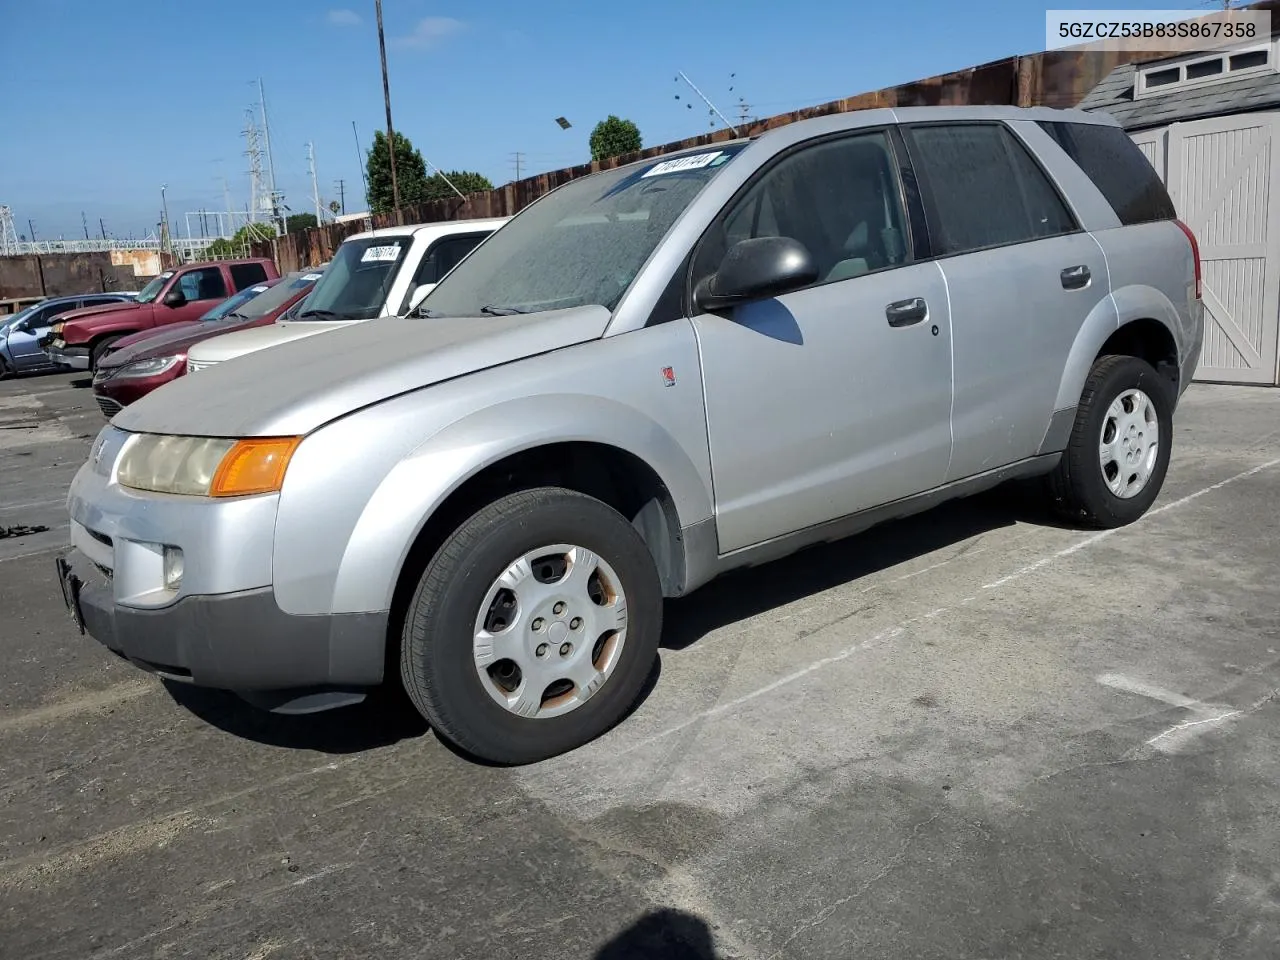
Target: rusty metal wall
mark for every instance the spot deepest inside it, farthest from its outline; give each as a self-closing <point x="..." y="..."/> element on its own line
<point x="64" y="274"/>
<point x="1057" y="78"/>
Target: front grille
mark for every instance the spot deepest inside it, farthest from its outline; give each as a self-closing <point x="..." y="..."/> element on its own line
<point x="194" y="365"/>
<point x="108" y="406"/>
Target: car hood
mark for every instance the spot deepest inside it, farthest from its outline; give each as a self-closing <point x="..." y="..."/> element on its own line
<point x="90" y="313"/>
<point x="218" y="349"/>
<point x="293" y="388"/>
<point x="149" y="338"/>
<point x="173" y="340"/>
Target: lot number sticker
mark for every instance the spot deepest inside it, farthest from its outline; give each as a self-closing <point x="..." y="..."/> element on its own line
<point x="680" y="164"/>
<point x="381" y="253"/>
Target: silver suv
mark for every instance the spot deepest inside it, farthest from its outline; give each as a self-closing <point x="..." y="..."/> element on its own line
<point x="648" y="377"/>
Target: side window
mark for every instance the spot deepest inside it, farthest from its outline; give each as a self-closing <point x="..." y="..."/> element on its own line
<point x="203" y="284"/>
<point x="840" y="198"/>
<point x="983" y="188"/>
<point x="1117" y="168"/>
<point x="98" y="301"/>
<point x="46" y="316"/>
<point x="442" y="257"/>
<point x="247" y="274"/>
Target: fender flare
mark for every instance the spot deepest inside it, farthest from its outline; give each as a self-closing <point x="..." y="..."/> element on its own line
<point x="414" y="488"/>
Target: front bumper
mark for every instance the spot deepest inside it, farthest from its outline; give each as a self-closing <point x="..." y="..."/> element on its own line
<point x="77" y="358"/>
<point x="237" y="641"/>
<point x="119" y="392"/>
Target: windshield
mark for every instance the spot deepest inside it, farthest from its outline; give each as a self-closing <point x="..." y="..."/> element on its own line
<point x="7" y="322"/>
<point x="354" y="286"/>
<point x="232" y="302"/>
<point x="152" y="289"/>
<point x="277" y="296"/>
<point x="582" y="244"/>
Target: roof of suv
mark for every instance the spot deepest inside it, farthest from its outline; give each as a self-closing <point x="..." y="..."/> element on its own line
<point x="433" y="229"/>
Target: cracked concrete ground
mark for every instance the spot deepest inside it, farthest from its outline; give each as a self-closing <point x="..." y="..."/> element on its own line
<point x="971" y="734"/>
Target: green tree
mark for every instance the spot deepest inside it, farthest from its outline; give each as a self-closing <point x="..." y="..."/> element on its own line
<point x="468" y="181"/>
<point x="411" y="172"/>
<point x="240" y="243"/>
<point x="299" y="221"/>
<point x="614" y="136"/>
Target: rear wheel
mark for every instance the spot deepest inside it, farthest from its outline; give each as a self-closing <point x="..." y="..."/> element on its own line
<point x="534" y="627"/>
<point x="1116" y="461"/>
<point x="100" y="350"/>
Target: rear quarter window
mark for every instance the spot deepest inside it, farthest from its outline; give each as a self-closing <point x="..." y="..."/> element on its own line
<point x="1117" y="168"/>
<point x="246" y="274"/>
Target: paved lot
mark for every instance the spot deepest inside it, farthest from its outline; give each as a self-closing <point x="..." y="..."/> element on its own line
<point x="972" y="734"/>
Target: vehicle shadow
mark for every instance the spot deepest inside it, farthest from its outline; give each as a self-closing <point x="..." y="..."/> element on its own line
<point x="384" y="718"/>
<point x="665" y="934"/>
<point x="745" y="593"/>
<point x="82" y="383"/>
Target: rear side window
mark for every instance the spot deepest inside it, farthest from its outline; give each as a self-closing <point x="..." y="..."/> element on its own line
<point x="983" y="188"/>
<point x="1117" y="168"/>
<point x="247" y="274"/>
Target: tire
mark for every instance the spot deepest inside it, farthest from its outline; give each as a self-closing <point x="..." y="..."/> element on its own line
<point x="5" y="370"/>
<point x="438" y="658"/>
<point x="100" y="350"/>
<point x="1079" y="486"/>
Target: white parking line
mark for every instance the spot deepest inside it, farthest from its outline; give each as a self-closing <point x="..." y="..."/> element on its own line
<point x="894" y="632"/>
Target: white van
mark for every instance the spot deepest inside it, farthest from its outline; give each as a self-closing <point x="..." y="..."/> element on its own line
<point x="375" y="274"/>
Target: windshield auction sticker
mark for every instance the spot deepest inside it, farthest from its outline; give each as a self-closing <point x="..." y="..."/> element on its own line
<point x="381" y="253"/>
<point x="695" y="162"/>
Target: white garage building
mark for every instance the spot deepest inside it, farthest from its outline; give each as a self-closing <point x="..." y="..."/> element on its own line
<point x="1208" y="123"/>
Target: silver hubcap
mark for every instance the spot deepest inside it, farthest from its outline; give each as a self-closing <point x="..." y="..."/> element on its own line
<point x="550" y="631"/>
<point x="1130" y="443"/>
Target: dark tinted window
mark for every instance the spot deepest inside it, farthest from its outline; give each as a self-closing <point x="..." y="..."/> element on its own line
<point x="983" y="189"/>
<point x="247" y="274"/>
<point x="44" y="316"/>
<point x="840" y="198"/>
<point x="1117" y="168"/>
<point x="99" y="301"/>
<point x="203" y="284"/>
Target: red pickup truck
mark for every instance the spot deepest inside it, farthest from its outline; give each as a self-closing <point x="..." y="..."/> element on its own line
<point x="80" y="338"/>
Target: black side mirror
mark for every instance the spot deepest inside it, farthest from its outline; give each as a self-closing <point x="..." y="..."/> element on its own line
<point x="174" y="298"/>
<point x="756" y="270"/>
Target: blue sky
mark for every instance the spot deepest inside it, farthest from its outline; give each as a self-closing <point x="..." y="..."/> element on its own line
<point x="100" y="103"/>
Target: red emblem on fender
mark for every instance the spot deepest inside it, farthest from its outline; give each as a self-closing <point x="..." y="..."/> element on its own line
<point x="669" y="376"/>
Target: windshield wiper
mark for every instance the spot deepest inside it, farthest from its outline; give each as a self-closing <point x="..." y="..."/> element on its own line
<point x="493" y="311"/>
<point x="322" y="314"/>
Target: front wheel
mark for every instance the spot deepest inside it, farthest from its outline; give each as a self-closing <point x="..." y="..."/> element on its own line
<point x="534" y="627"/>
<point x="1116" y="460"/>
<point x="100" y="350"/>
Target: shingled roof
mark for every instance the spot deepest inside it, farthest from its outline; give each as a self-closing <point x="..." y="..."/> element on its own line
<point x="1114" y="95"/>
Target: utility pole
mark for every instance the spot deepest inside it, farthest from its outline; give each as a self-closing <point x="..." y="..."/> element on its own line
<point x="315" y="187"/>
<point x="84" y="223"/>
<point x="386" y="96"/>
<point x="167" y="239"/>
<point x="271" y="166"/>
<point x="103" y="227"/>
<point x="364" y="176"/>
<point x="517" y="158"/>
<point x="342" y="195"/>
<point x="32" y="228"/>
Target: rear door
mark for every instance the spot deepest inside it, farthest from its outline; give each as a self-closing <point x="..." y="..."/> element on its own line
<point x="834" y="398"/>
<point x="1021" y="277"/>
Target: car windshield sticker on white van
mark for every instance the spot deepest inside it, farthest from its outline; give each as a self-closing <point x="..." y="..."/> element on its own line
<point x="695" y="162"/>
<point x="381" y="253"/>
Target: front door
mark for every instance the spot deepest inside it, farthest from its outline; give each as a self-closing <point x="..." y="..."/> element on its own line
<point x="24" y="345"/>
<point x="203" y="289"/>
<point x="834" y="398"/>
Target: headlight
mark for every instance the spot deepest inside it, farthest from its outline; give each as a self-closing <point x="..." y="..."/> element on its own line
<point x="205" y="466"/>
<point x="146" y="368"/>
<point x="57" y="327"/>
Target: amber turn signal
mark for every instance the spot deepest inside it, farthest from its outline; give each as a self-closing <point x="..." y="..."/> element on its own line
<point x="254" y="466"/>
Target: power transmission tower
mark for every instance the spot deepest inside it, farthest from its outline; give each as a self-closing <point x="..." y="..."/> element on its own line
<point x="276" y="197"/>
<point x="517" y="159"/>
<point x="8" y="233"/>
<point x="342" y="194"/>
<point x="258" y="191"/>
<point x="315" y="187"/>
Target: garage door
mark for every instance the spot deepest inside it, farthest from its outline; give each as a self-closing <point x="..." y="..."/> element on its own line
<point x="1224" y="185"/>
